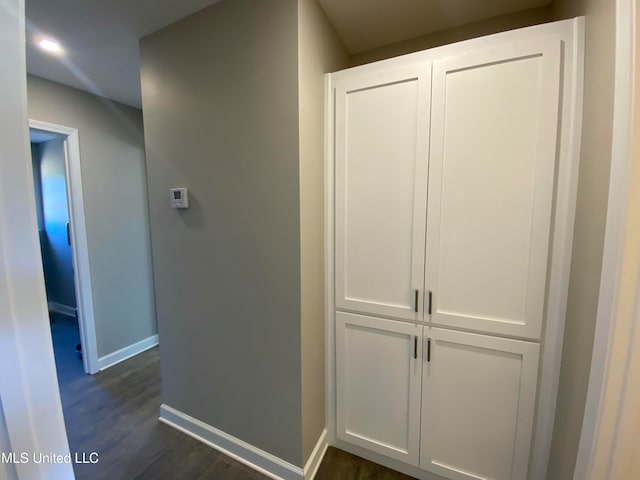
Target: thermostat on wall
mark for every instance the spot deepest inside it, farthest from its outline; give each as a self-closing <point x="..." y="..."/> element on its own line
<point x="179" y="197"/>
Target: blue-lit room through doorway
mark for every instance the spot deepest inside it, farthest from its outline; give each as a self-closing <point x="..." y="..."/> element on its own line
<point x="52" y="208"/>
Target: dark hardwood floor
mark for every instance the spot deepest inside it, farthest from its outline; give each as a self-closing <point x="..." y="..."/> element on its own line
<point x="115" y="413"/>
<point x="338" y="464"/>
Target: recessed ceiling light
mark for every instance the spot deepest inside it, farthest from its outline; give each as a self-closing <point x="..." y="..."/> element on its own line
<point x="50" y="45"/>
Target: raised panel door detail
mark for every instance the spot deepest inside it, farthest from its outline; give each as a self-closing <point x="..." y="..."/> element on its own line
<point x="478" y="405"/>
<point x="491" y="184"/>
<point x="378" y="374"/>
<point x="382" y="134"/>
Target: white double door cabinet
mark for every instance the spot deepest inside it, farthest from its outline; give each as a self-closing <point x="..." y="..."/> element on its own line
<point x="445" y="173"/>
<point x="455" y="403"/>
<point x="457" y="155"/>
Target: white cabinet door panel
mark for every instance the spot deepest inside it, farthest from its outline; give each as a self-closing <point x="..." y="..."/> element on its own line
<point x="491" y="182"/>
<point x="478" y="404"/>
<point x="382" y="135"/>
<point x="378" y="374"/>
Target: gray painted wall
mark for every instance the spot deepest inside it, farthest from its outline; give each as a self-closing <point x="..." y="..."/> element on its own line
<point x="588" y="242"/>
<point x="56" y="251"/>
<point x="320" y="51"/>
<point x="114" y="185"/>
<point x="220" y="103"/>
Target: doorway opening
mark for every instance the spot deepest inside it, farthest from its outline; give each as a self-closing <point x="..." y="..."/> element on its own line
<point x="63" y="244"/>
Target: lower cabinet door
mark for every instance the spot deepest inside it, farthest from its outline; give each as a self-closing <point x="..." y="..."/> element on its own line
<point x="477" y="405"/>
<point x="378" y="375"/>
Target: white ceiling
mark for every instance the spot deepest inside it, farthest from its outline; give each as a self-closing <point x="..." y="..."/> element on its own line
<point x="100" y="37"/>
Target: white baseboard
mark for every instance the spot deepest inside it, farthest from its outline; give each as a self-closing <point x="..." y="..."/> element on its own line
<point x="127" y="352"/>
<point x="253" y="457"/>
<point x="315" y="459"/>
<point x="63" y="309"/>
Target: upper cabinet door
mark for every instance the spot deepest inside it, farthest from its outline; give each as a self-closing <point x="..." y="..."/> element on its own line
<point x="491" y="187"/>
<point x="381" y="155"/>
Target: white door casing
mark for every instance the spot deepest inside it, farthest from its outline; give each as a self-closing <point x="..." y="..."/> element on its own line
<point x="79" y="241"/>
<point x="31" y="404"/>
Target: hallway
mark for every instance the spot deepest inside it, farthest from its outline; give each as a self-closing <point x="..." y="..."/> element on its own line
<point x="115" y="413"/>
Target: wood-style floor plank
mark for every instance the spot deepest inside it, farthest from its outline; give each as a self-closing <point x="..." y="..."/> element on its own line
<point x="338" y="464"/>
<point x="115" y="413"/>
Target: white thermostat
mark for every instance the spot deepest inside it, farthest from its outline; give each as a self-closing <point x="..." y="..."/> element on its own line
<point x="179" y="197"/>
